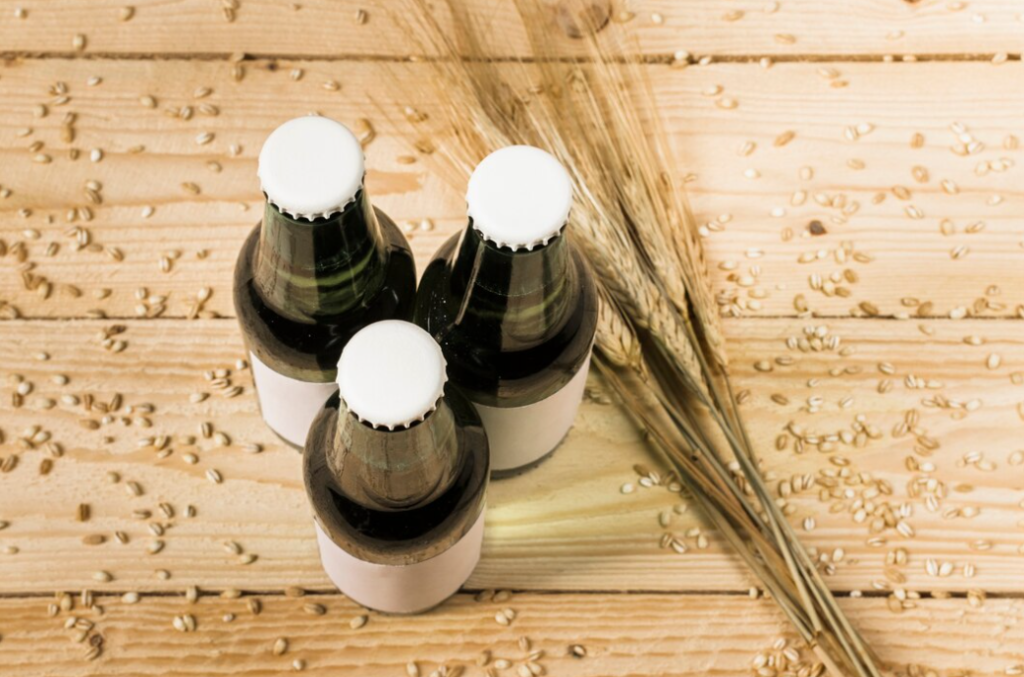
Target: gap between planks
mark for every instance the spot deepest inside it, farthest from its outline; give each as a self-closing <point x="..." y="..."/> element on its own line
<point x="746" y="318"/>
<point x="216" y="592"/>
<point x="649" y="59"/>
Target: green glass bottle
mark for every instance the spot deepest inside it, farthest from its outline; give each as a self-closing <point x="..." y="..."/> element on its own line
<point x="513" y="305"/>
<point x="396" y="470"/>
<point x="321" y="265"/>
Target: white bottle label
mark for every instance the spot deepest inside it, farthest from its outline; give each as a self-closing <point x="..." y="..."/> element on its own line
<point x="288" y="405"/>
<point x="407" y="589"/>
<point x="518" y="436"/>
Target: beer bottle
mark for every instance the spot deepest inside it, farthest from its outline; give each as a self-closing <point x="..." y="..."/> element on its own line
<point x="513" y="305"/>
<point x="396" y="469"/>
<point x="321" y="265"/>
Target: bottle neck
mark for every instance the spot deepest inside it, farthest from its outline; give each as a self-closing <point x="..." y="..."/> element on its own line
<point x="395" y="470"/>
<point x="307" y="269"/>
<point x="527" y="295"/>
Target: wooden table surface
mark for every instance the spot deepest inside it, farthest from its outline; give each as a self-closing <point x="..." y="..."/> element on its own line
<point x="128" y="144"/>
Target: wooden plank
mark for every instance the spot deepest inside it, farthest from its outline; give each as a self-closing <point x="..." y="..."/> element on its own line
<point x="911" y="257"/>
<point x="566" y="526"/>
<point x="625" y="635"/>
<point x="328" y="27"/>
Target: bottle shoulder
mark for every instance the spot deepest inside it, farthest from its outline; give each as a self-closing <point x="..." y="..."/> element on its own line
<point x="484" y="345"/>
<point x="309" y="349"/>
<point x="395" y="245"/>
<point x="438" y="299"/>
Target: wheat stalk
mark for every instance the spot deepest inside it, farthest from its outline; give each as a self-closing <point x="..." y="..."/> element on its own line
<point x="660" y="344"/>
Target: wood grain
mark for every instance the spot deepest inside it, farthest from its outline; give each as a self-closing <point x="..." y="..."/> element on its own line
<point x="911" y="258"/>
<point x="565" y="527"/>
<point x="328" y="28"/>
<point x="623" y="635"/>
<point x="566" y="533"/>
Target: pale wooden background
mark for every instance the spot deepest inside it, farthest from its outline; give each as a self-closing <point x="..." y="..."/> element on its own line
<point x="582" y="558"/>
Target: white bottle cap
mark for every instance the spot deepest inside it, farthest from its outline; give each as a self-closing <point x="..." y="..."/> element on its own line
<point x="311" y="167"/>
<point x="391" y="374"/>
<point x="519" y="197"/>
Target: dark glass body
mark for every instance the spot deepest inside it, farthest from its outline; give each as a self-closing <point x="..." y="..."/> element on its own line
<point x="397" y="497"/>
<point x="515" y="326"/>
<point x="304" y="287"/>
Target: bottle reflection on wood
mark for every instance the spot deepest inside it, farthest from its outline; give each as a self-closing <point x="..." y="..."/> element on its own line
<point x="322" y="264"/>
<point x="513" y="305"/>
<point x="396" y="468"/>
